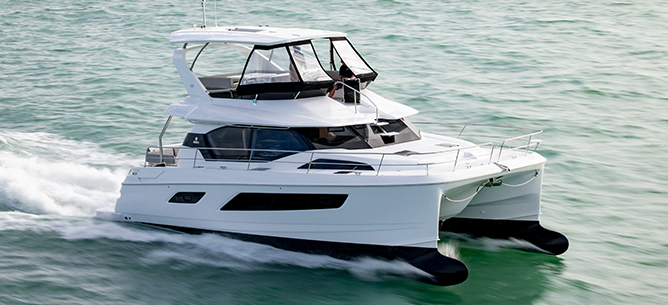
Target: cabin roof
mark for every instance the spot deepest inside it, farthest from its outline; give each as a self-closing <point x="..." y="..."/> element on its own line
<point x="265" y="36"/>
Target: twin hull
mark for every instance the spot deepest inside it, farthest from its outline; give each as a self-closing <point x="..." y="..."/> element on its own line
<point x="378" y="210"/>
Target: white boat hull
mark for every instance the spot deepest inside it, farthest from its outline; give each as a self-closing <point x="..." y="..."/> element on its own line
<point x="379" y="210"/>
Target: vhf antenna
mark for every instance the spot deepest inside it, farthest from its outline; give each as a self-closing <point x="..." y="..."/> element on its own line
<point x="203" y="14"/>
<point x="215" y="14"/>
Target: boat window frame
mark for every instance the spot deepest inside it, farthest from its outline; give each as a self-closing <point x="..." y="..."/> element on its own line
<point x="363" y="136"/>
<point x="284" y="87"/>
<point x="249" y="143"/>
<point x="366" y="77"/>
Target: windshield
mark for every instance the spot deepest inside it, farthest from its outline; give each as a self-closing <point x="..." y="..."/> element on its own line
<point x="290" y="69"/>
<point x="269" y="66"/>
<point x="307" y="63"/>
<point x="274" y="66"/>
<point x="349" y="56"/>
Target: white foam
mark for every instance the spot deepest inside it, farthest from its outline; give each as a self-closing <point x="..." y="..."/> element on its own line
<point x="218" y="251"/>
<point x="63" y="180"/>
<point x="205" y="249"/>
<point x="46" y="174"/>
<point x="488" y="244"/>
<point x="449" y="248"/>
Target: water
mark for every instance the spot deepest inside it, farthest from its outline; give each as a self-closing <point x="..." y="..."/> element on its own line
<point x="84" y="83"/>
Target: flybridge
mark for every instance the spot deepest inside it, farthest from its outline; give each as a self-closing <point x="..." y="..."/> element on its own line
<point x="280" y="63"/>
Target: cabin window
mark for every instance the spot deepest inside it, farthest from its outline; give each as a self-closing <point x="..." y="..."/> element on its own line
<point x="284" y="202"/>
<point x="267" y="144"/>
<point x="233" y="143"/>
<point x="271" y="144"/>
<point x="187" y="197"/>
<point x="241" y="143"/>
<point x="396" y="131"/>
<point x="334" y="137"/>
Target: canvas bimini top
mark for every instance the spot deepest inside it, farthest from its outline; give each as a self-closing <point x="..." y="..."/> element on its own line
<point x="281" y="63"/>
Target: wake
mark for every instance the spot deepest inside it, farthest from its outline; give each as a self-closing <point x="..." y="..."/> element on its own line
<point x="52" y="184"/>
<point x="203" y="249"/>
<point x="43" y="173"/>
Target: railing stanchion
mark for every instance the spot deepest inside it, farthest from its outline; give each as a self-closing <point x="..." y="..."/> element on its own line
<point x="461" y="131"/>
<point x="169" y="119"/>
<point x="361" y="94"/>
<point x="456" y="158"/>
<point x="250" y="157"/>
<point x="491" y="154"/>
<point x="382" y="157"/>
<point x="310" y="161"/>
<point x="501" y="150"/>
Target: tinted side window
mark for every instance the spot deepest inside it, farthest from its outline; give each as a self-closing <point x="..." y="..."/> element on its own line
<point x="234" y="141"/>
<point x="284" y="202"/>
<point x="271" y="144"/>
<point x="334" y="137"/>
<point x="404" y="132"/>
<point x="240" y="143"/>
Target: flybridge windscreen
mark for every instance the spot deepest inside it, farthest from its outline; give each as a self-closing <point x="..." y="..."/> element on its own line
<point x="350" y="57"/>
<point x="286" y="69"/>
<point x="296" y="63"/>
<point x="292" y="70"/>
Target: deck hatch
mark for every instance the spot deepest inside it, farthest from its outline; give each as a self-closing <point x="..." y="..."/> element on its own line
<point x="336" y="164"/>
<point x="284" y="202"/>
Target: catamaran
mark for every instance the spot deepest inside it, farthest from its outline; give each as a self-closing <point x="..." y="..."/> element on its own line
<point x="284" y="151"/>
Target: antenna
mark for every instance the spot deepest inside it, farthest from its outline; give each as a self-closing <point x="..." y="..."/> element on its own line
<point x="215" y="14"/>
<point x="203" y="14"/>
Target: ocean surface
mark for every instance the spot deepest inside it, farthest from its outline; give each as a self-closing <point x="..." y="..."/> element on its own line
<point x="83" y="85"/>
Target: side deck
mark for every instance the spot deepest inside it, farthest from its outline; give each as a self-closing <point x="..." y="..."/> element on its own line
<point x="434" y="153"/>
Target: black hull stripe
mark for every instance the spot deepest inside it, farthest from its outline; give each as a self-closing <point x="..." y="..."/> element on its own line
<point x="550" y="241"/>
<point x="445" y="270"/>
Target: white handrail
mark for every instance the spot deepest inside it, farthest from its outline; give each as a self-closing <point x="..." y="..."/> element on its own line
<point x="450" y="155"/>
<point x="362" y="94"/>
<point x="169" y="119"/>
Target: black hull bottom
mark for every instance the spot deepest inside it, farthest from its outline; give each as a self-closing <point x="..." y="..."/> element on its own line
<point x="444" y="270"/>
<point x="549" y="241"/>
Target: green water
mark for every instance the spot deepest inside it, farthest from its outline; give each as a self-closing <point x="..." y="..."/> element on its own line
<point x="83" y="85"/>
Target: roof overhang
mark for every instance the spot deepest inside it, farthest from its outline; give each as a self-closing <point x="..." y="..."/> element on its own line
<point x="263" y="36"/>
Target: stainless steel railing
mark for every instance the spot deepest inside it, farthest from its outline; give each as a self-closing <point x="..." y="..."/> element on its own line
<point x="360" y="93"/>
<point x="506" y="141"/>
<point x="446" y="159"/>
